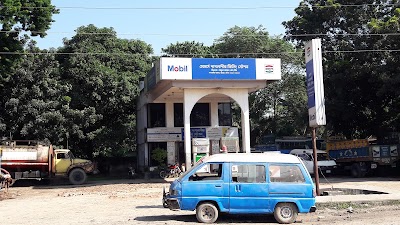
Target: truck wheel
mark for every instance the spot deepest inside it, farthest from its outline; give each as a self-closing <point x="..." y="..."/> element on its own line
<point x="206" y="213"/>
<point x="357" y="171"/>
<point x="285" y="212"/>
<point x="77" y="176"/>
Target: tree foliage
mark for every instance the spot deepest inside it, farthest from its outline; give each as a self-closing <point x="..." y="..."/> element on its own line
<point x="104" y="81"/>
<point x="17" y="16"/>
<point x="359" y="75"/>
<point x="34" y="106"/>
<point x="188" y="49"/>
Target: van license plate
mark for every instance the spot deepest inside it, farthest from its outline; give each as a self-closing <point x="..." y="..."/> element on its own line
<point x="328" y="171"/>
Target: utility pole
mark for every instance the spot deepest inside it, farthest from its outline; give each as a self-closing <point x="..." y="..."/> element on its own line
<point x="316" y="175"/>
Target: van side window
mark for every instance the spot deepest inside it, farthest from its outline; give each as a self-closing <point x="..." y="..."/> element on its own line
<point x="248" y="173"/>
<point x="210" y="171"/>
<point x="286" y="174"/>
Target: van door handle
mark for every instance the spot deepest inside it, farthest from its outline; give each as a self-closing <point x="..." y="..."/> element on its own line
<point x="218" y="185"/>
<point x="237" y="188"/>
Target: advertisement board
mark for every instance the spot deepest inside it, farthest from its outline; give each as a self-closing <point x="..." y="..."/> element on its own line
<point x="171" y="134"/>
<point x="218" y="69"/>
<point x="315" y="84"/>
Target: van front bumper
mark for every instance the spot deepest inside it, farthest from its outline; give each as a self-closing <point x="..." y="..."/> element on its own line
<point x="313" y="209"/>
<point x="171" y="203"/>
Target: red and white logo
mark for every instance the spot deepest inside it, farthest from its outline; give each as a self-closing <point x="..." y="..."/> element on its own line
<point x="269" y="68"/>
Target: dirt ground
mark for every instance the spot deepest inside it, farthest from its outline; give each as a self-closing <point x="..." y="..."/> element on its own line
<point x="125" y="202"/>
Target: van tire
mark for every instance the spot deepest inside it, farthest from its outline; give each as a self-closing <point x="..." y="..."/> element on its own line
<point x="206" y="213"/>
<point x="77" y="176"/>
<point x="285" y="212"/>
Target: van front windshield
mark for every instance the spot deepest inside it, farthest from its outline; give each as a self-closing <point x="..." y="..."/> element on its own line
<point x="192" y="168"/>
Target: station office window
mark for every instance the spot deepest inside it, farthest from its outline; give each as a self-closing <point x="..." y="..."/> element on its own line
<point x="200" y="115"/>
<point x="156" y="115"/>
<point x="178" y="114"/>
<point x="224" y="114"/>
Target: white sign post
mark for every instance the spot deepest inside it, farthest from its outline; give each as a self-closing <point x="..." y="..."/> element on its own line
<point x="315" y="94"/>
<point x="315" y="84"/>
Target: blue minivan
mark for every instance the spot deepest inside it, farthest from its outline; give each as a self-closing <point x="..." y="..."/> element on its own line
<point x="244" y="183"/>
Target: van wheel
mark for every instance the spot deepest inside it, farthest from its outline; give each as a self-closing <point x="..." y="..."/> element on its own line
<point x="206" y="213"/>
<point x="77" y="176"/>
<point x="285" y="212"/>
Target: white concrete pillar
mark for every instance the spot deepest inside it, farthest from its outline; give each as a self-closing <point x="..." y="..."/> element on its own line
<point x="188" y="98"/>
<point x="245" y="127"/>
<point x="214" y="113"/>
<point x="169" y="117"/>
<point x="169" y="114"/>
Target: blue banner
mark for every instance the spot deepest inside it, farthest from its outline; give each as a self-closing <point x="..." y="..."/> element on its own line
<point x="223" y="69"/>
<point x="195" y="133"/>
<point x="310" y="84"/>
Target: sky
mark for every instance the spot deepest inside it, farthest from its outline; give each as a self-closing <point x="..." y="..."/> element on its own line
<point x="163" y="22"/>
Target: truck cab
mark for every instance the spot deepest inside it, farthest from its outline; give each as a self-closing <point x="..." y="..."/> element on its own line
<point x="75" y="168"/>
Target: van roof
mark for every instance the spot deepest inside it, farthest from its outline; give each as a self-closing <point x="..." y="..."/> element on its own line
<point x="253" y="157"/>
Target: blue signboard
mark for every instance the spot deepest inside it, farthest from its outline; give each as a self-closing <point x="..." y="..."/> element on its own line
<point x="232" y="69"/>
<point x="349" y="153"/>
<point x="310" y="84"/>
<point x="385" y="151"/>
<point x="195" y="133"/>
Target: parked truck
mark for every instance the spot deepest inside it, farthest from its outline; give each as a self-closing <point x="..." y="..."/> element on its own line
<point x="33" y="160"/>
<point x="360" y="157"/>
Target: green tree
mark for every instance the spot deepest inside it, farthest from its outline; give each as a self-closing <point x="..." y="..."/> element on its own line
<point x="34" y="105"/>
<point x="188" y="49"/>
<point x="17" y="17"/>
<point x="359" y="78"/>
<point x="104" y="73"/>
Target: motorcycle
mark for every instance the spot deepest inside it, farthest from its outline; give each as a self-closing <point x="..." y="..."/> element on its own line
<point x="131" y="172"/>
<point x="171" y="171"/>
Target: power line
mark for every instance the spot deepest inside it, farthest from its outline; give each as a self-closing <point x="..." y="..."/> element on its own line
<point x="208" y="8"/>
<point x="209" y="35"/>
<point x="139" y="54"/>
<point x="191" y="54"/>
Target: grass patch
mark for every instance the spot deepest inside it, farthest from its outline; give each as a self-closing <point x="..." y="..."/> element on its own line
<point x="356" y="205"/>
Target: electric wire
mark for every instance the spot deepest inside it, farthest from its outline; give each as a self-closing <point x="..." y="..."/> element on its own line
<point x="210" y="35"/>
<point x="197" y="54"/>
<point x="208" y="8"/>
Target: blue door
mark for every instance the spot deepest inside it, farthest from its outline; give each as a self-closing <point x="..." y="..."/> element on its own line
<point x="207" y="183"/>
<point x="248" y="188"/>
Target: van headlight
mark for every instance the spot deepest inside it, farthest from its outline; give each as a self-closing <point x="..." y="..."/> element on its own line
<point x="173" y="192"/>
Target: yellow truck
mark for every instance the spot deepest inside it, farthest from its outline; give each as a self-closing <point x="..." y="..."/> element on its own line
<point x="29" y="159"/>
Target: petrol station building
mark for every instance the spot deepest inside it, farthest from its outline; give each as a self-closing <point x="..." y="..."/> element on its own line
<point x="194" y="96"/>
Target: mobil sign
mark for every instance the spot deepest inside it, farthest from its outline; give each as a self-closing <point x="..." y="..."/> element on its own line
<point x="315" y="83"/>
<point x="173" y="68"/>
